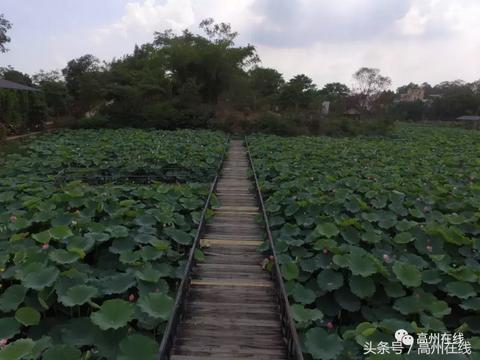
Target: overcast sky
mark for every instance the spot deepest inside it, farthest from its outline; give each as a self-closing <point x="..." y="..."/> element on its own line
<point x="409" y="40"/>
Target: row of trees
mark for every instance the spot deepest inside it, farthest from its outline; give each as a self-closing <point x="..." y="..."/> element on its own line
<point x="192" y="80"/>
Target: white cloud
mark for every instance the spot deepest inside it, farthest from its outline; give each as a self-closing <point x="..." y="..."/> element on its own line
<point x="409" y="40"/>
<point x="147" y="17"/>
<point x="413" y="23"/>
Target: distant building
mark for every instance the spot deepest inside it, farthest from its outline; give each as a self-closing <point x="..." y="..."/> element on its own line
<point x="352" y="113"/>
<point x="472" y="121"/>
<point x="413" y="94"/>
<point x="6" y="84"/>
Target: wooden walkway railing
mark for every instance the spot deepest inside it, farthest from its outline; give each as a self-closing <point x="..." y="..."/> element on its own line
<point x="232" y="311"/>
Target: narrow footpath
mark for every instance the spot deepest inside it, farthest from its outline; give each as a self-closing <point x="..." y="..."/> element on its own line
<point x="232" y="312"/>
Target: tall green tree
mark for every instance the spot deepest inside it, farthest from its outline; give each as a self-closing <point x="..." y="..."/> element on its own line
<point x="55" y="91"/>
<point x="213" y="61"/>
<point x="298" y="93"/>
<point x="369" y="86"/>
<point x="5" y="25"/>
<point x="334" y="91"/>
<point x="85" y="84"/>
<point x="265" y="86"/>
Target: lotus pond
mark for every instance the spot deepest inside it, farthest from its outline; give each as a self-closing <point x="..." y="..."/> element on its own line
<point x="376" y="235"/>
<point x="90" y="271"/>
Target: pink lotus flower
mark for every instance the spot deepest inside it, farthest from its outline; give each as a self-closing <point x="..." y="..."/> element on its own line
<point x="429" y="248"/>
<point x="330" y="325"/>
<point x="3" y="342"/>
<point x="131" y="297"/>
<point x="45" y="246"/>
<point x="325" y="251"/>
<point x="386" y="258"/>
<point x="13" y="219"/>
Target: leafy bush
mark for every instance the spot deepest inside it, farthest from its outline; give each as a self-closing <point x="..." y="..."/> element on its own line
<point x="169" y="117"/>
<point x="22" y="111"/>
<point x="3" y="132"/>
<point x="94" y="122"/>
<point x="375" y="235"/>
<point x="274" y="123"/>
<point x="343" y="126"/>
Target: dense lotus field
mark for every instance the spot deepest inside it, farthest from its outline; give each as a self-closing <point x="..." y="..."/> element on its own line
<point x="90" y="271"/>
<point x="174" y="156"/>
<point x="376" y="235"/>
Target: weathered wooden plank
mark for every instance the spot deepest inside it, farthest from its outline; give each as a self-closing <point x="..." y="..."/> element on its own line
<point x="212" y="242"/>
<point x="231" y="282"/>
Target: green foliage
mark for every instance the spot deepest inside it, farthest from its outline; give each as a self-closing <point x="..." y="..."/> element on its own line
<point x="94" y="122"/>
<point x="384" y="232"/>
<point x="5" y="25"/>
<point x="169" y="155"/>
<point x="22" y="111"/>
<point x="93" y="269"/>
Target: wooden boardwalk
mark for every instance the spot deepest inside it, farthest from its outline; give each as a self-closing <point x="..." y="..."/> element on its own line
<point x="232" y="312"/>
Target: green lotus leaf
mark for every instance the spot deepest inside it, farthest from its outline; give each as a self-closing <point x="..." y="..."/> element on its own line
<point x="179" y="236"/>
<point x="131" y="258"/>
<point x="408" y="274"/>
<point x="148" y="274"/>
<point x="322" y="345"/>
<point x="438" y="308"/>
<point x="330" y="280"/>
<point x="361" y="264"/>
<point x="138" y="346"/>
<point x="42" y="237"/>
<point x="98" y="237"/>
<point x="302" y="294"/>
<point x="460" y="289"/>
<point x="471" y="304"/>
<point x="432" y="324"/>
<point x="408" y="305"/>
<point x="80" y="243"/>
<point x="116" y="284"/>
<point x="145" y="220"/>
<point x="363" y="287"/>
<point x="113" y="314"/>
<point x="302" y="314"/>
<point x="41" y="345"/>
<point x="41" y="279"/>
<point x="405" y="225"/>
<point x="12" y="297"/>
<point x="371" y="237"/>
<point x="79" y="332"/>
<point x="157" y="305"/>
<point x="62" y="352"/>
<point x="347" y="300"/>
<point x="432" y="277"/>
<point x="327" y="229"/>
<point x="9" y="327"/>
<point x="17" y="350"/>
<point x="78" y="295"/>
<point x="403" y="238"/>
<point x="117" y="231"/>
<point x="290" y="271"/>
<point x="60" y="232"/>
<point x="61" y="256"/>
<point x="27" y="316"/>
<point x="394" y="290"/>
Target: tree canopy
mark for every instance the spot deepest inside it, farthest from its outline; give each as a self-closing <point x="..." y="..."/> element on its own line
<point x="5" y="25"/>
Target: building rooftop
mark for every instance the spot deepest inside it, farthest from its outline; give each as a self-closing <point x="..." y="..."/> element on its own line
<point x="6" y="84"/>
<point x="469" y="118"/>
